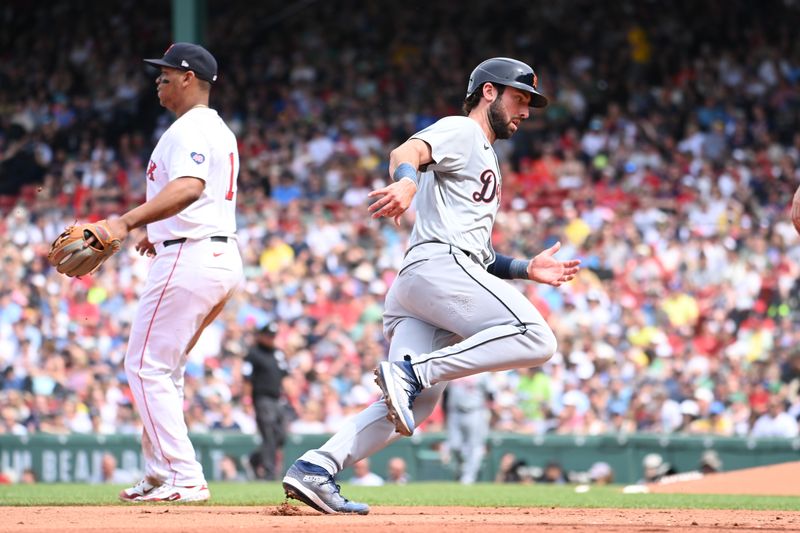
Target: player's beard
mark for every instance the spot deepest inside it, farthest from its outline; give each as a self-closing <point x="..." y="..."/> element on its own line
<point x="498" y="120"/>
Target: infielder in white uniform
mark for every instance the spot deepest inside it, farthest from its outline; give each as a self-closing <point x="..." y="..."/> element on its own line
<point x="191" y="233"/>
<point x="449" y="314"/>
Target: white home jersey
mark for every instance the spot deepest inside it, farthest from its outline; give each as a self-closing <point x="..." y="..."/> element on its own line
<point x="459" y="192"/>
<point x="198" y="144"/>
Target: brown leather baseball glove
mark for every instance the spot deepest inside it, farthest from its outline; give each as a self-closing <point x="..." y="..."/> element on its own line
<point x="81" y="249"/>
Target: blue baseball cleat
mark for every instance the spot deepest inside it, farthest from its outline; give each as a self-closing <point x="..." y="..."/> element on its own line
<point x="314" y="486"/>
<point x="400" y="387"/>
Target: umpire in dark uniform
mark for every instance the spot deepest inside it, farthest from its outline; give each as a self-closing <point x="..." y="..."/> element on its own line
<point x="265" y="377"/>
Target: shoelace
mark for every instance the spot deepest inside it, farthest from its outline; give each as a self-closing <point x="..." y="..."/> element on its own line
<point x="338" y="488"/>
<point x="413" y="386"/>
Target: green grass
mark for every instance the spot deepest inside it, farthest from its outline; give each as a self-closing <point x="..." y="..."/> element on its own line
<point x="429" y="494"/>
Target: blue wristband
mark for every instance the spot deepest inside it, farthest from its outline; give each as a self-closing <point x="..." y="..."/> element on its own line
<point x="406" y="170"/>
<point x="505" y="267"/>
<point x="518" y="269"/>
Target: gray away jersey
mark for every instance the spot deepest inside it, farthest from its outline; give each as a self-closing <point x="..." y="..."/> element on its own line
<point x="459" y="192"/>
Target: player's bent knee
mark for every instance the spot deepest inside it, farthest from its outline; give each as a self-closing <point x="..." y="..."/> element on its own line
<point x="551" y="344"/>
<point x="543" y="344"/>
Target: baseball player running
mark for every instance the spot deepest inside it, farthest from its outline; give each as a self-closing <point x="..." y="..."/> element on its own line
<point x="191" y="233"/>
<point x="449" y="314"/>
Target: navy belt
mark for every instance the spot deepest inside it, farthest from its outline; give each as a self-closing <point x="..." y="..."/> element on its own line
<point x="452" y="247"/>
<point x="216" y="238"/>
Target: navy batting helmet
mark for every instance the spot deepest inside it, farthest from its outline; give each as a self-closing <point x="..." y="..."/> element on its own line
<point x="509" y="72"/>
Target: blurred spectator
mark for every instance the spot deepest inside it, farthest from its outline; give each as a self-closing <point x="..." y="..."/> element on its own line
<point x="776" y="422"/>
<point x="553" y="472"/>
<point x="672" y="187"/>
<point x="508" y="469"/>
<point x="710" y="462"/>
<point x="601" y="473"/>
<point x="28" y="477"/>
<point x="311" y="420"/>
<point x="362" y="475"/>
<point x="229" y="469"/>
<point x="9" y="423"/>
<point x="109" y="473"/>
<point x="690" y="411"/>
<point x="514" y="470"/>
<point x="655" y="468"/>
<point x="396" y="471"/>
<point x="226" y="421"/>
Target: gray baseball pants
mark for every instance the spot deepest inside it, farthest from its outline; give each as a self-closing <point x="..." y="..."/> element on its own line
<point x="441" y="296"/>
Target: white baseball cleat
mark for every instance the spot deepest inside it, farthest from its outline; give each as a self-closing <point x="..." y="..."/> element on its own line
<point x="143" y="488"/>
<point x="400" y="387"/>
<point x="174" y="493"/>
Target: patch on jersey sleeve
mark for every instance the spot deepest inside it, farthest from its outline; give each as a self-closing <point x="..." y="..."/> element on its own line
<point x="198" y="158"/>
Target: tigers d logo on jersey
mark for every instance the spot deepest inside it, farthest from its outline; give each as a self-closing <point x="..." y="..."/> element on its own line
<point x="489" y="190"/>
<point x="198" y="158"/>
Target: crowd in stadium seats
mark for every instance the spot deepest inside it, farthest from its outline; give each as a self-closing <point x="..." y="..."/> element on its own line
<point x="666" y="161"/>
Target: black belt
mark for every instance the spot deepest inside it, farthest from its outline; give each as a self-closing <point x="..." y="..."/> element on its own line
<point x="215" y="238"/>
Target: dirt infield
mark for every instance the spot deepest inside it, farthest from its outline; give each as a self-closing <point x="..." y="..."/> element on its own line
<point x="771" y="480"/>
<point x="209" y="519"/>
<point x="774" y="480"/>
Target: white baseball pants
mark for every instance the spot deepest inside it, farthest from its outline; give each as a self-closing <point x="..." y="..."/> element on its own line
<point x="187" y="286"/>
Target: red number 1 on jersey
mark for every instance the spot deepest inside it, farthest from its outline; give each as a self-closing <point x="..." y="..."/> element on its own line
<point x="229" y="194"/>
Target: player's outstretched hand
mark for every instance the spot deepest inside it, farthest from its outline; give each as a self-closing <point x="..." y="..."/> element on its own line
<point x="392" y="200"/>
<point x="544" y="268"/>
